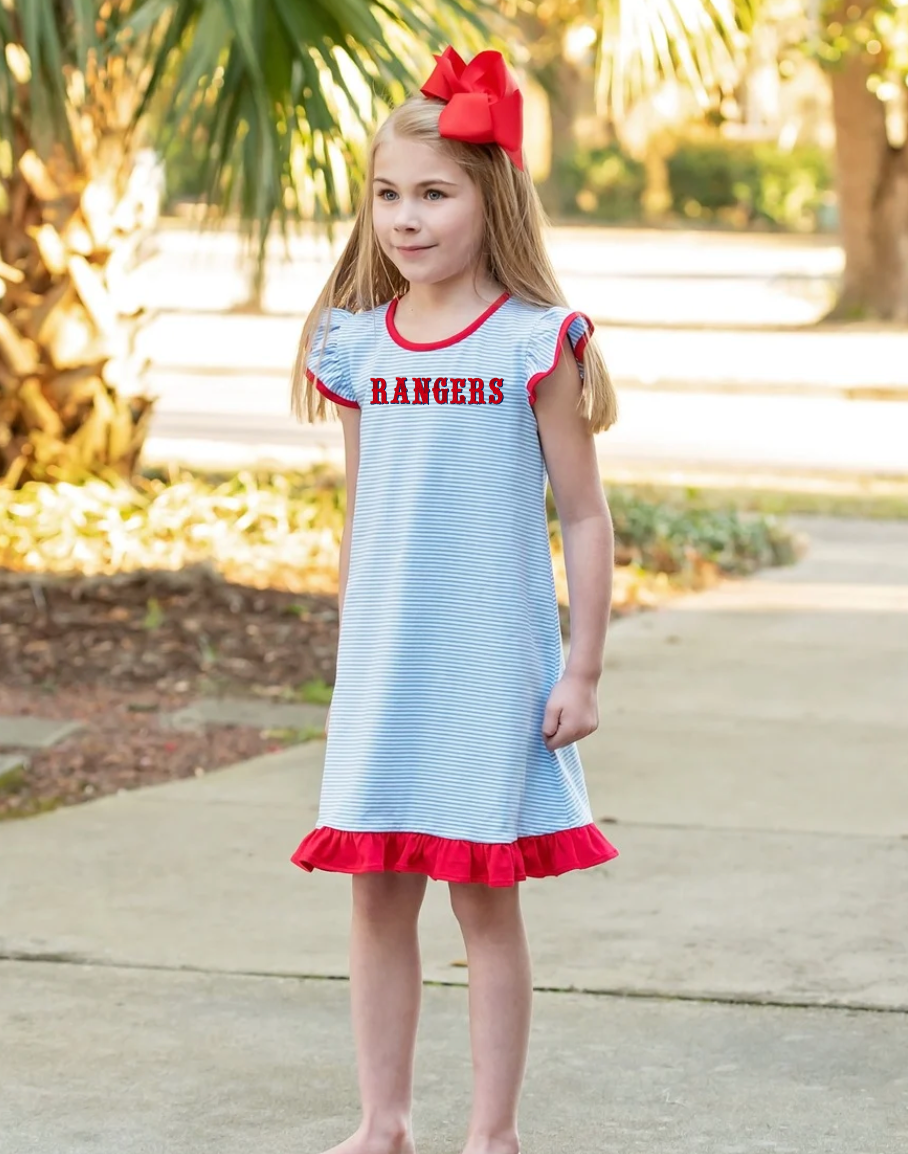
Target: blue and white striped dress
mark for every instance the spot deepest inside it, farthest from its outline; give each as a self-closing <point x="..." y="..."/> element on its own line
<point x="450" y="640"/>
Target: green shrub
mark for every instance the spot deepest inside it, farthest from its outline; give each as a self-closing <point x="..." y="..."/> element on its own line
<point x="741" y="183"/>
<point x="678" y="537"/>
<point x="794" y="187"/>
<point x="668" y="538"/>
<point x="603" y="183"/>
<point x="283" y="531"/>
<point x="714" y="182"/>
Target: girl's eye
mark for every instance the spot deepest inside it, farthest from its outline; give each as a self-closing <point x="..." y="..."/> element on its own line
<point x="386" y="192"/>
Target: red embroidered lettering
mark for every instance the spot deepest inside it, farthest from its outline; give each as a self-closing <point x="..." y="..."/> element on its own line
<point x="424" y="391"/>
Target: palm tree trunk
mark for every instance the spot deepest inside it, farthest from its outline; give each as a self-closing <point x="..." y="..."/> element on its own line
<point x="873" y="201"/>
<point x="657" y="193"/>
<point x="69" y="378"/>
<point x="563" y="83"/>
<point x="564" y="86"/>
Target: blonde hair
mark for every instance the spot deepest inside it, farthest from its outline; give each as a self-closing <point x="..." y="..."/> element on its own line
<point x="513" y="249"/>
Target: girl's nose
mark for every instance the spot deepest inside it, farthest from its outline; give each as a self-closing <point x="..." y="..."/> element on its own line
<point x="405" y="217"/>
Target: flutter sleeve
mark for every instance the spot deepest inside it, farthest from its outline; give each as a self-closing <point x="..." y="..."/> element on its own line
<point x="329" y="369"/>
<point x="547" y="340"/>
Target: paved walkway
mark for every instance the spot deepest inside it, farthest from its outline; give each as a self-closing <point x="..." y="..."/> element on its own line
<point x="737" y="981"/>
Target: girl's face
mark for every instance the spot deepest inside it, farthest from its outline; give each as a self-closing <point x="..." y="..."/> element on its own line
<point x="427" y="213"/>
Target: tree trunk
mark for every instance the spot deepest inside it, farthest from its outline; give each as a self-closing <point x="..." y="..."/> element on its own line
<point x="657" y="193"/>
<point x="872" y="178"/>
<point x="563" y="84"/>
<point x="68" y="367"/>
<point x="70" y="226"/>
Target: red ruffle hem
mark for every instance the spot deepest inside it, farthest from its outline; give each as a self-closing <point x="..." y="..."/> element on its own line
<point x="451" y="860"/>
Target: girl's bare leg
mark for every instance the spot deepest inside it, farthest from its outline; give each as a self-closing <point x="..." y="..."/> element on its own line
<point x="385" y="991"/>
<point x="501" y="994"/>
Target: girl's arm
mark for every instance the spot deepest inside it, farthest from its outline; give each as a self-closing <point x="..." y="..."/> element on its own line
<point x="350" y="420"/>
<point x="586" y="523"/>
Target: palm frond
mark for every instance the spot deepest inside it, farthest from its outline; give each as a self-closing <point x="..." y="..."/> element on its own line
<point x="35" y="49"/>
<point x="698" y="43"/>
<point x="283" y="92"/>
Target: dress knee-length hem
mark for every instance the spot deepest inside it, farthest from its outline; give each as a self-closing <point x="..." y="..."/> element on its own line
<point x="450" y="645"/>
<point x="454" y="860"/>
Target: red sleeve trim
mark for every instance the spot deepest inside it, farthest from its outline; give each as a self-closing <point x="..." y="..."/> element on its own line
<point x="330" y="394"/>
<point x="578" y="350"/>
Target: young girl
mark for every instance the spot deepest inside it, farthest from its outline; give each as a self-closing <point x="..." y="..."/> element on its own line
<point x="462" y="380"/>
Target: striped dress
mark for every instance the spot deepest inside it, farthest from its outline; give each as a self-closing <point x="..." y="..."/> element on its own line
<point x="450" y="641"/>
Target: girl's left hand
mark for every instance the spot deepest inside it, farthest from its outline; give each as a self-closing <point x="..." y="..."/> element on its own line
<point x="572" y="711"/>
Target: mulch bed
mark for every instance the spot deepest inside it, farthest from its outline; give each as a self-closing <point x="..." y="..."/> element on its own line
<point x="114" y="652"/>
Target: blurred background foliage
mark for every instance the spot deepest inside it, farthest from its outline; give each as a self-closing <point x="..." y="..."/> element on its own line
<point x="733" y="184"/>
<point x="785" y="114"/>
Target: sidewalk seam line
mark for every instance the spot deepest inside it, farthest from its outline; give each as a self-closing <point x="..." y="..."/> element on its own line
<point x="754" y="1001"/>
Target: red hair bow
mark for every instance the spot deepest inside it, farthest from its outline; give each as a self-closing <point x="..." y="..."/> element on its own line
<point x="484" y="104"/>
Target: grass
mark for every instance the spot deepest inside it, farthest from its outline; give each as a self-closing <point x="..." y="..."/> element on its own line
<point x="315" y="692"/>
<point x="887" y="501"/>
<point x="13" y="779"/>
<point x="33" y="808"/>
<point x="291" y="735"/>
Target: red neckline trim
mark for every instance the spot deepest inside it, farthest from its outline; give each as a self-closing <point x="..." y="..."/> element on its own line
<point x="470" y="329"/>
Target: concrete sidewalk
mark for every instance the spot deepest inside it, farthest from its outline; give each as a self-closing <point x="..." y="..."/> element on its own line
<point x="126" y="1061"/>
<point x="750" y="767"/>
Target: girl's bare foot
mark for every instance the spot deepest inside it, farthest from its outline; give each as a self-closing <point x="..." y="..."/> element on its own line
<point x="502" y="1145"/>
<point x="369" y="1140"/>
